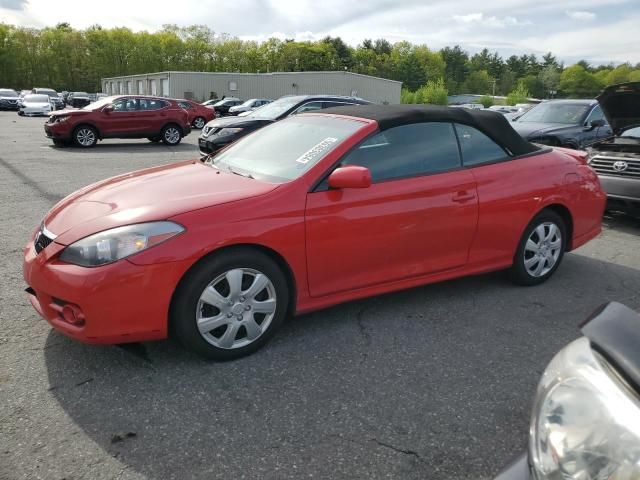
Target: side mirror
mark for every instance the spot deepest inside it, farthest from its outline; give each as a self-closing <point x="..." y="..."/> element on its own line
<point x="108" y="108"/>
<point x="351" y="176"/>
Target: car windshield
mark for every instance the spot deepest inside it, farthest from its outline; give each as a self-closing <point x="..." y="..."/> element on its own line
<point x="99" y="103"/>
<point x="273" y="110"/>
<point x="285" y="150"/>
<point x="80" y="94"/>
<point x="632" y="132"/>
<point x="36" y="99"/>
<point x="566" y="113"/>
<point x="249" y="102"/>
<point x="8" y="93"/>
<point x="46" y="91"/>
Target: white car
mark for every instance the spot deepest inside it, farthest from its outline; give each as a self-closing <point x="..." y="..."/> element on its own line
<point x="249" y="105"/>
<point x="36" y="104"/>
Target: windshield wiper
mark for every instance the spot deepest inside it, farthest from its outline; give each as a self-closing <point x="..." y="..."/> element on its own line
<point x="235" y="172"/>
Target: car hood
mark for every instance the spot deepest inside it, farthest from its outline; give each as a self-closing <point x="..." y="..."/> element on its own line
<point x="35" y="104"/>
<point x="621" y="105"/>
<point x="236" y="122"/>
<point x="147" y="195"/>
<point x="529" y="130"/>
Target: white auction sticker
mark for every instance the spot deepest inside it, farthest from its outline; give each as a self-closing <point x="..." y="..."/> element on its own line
<point x="316" y="150"/>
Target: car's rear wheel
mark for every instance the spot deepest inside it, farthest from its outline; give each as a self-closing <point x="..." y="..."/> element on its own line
<point x="230" y="304"/>
<point x="85" y="136"/>
<point x="540" y="250"/>
<point x="199" y="123"/>
<point x="171" y="135"/>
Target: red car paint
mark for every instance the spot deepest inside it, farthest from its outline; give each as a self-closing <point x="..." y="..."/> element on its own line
<point x="197" y="110"/>
<point x="418" y="230"/>
<point x="118" y="124"/>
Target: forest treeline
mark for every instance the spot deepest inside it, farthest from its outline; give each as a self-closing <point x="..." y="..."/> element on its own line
<point x="64" y="58"/>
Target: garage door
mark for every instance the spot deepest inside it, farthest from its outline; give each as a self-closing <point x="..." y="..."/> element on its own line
<point x="164" y="84"/>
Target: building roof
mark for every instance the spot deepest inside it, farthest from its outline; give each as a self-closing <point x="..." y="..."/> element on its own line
<point x="308" y="72"/>
<point x="492" y="124"/>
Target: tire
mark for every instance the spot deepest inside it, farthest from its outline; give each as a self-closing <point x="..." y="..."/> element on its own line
<point x="171" y="134"/>
<point x="154" y="139"/>
<point x="219" y="289"/>
<point x="199" y="123"/>
<point x="85" y="136"/>
<point x="536" y="258"/>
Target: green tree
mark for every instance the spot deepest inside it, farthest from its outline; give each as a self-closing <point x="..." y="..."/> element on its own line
<point x="434" y="93"/>
<point x="576" y="82"/>
<point x="519" y="95"/>
<point x="549" y="78"/>
<point x="486" y="101"/>
<point x="478" y="82"/>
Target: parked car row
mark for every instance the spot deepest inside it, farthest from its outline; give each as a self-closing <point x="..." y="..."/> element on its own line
<point x="235" y="106"/>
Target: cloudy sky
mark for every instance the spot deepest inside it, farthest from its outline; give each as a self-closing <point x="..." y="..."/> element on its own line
<point x="599" y="31"/>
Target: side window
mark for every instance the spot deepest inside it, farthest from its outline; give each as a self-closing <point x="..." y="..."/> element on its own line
<point x="152" y="104"/>
<point x="596" y="114"/>
<point x="185" y="105"/>
<point x="309" y="107"/>
<point x="124" y="105"/>
<point x="408" y="151"/>
<point x="476" y="147"/>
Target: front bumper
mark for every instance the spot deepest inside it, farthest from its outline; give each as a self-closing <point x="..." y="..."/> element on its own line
<point x="623" y="193"/>
<point x="517" y="470"/>
<point x="58" y="130"/>
<point x="4" y="105"/>
<point x="117" y="303"/>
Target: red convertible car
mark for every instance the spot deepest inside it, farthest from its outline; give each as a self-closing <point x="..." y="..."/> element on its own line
<point x="317" y="209"/>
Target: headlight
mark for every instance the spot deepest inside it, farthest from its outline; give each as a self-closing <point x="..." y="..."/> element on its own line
<point x="228" y="131"/>
<point x="586" y="420"/>
<point x="112" y="245"/>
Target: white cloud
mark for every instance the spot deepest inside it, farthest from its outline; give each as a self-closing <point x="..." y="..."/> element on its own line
<point x="490" y="21"/>
<point x="581" y="15"/>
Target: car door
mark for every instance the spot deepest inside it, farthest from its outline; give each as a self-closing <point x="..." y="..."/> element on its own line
<point x="152" y="115"/>
<point x="121" y="120"/>
<point x="418" y="217"/>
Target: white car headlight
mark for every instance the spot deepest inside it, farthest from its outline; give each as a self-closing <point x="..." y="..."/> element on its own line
<point x="112" y="245"/>
<point x="586" y="420"/>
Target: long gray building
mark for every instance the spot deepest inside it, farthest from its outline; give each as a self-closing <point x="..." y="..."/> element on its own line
<point x="201" y="86"/>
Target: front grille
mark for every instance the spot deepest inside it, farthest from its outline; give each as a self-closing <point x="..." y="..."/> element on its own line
<point x="41" y="241"/>
<point x="622" y="166"/>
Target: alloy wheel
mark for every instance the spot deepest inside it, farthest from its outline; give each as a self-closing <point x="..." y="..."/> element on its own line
<point x="172" y="135"/>
<point x="236" y="308"/>
<point x="86" y="137"/>
<point x="542" y="249"/>
<point x="199" y="123"/>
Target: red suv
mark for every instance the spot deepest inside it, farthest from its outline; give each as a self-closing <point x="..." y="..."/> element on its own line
<point x="158" y="119"/>
<point x="199" y="115"/>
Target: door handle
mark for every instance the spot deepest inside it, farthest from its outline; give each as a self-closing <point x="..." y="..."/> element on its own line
<point x="462" y="197"/>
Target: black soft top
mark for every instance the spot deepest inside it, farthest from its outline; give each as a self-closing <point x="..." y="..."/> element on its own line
<point x="492" y="124"/>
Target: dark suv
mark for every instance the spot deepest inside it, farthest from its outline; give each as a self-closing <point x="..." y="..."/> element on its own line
<point x="563" y="123"/>
<point x="221" y="132"/>
<point x="129" y="116"/>
<point x="617" y="159"/>
<point x="8" y="99"/>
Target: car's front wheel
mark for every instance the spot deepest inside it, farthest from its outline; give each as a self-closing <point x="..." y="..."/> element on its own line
<point x="85" y="136"/>
<point x="171" y="135"/>
<point x="230" y="304"/>
<point x="199" y="123"/>
<point x="540" y="250"/>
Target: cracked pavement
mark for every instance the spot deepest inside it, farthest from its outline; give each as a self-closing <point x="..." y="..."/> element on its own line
<point x="433" y="382"/>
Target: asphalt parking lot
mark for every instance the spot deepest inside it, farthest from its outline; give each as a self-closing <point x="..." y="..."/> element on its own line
<point x="434" y="382"/>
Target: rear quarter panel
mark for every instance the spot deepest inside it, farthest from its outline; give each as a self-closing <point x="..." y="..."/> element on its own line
<point x="511" y="193"/>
